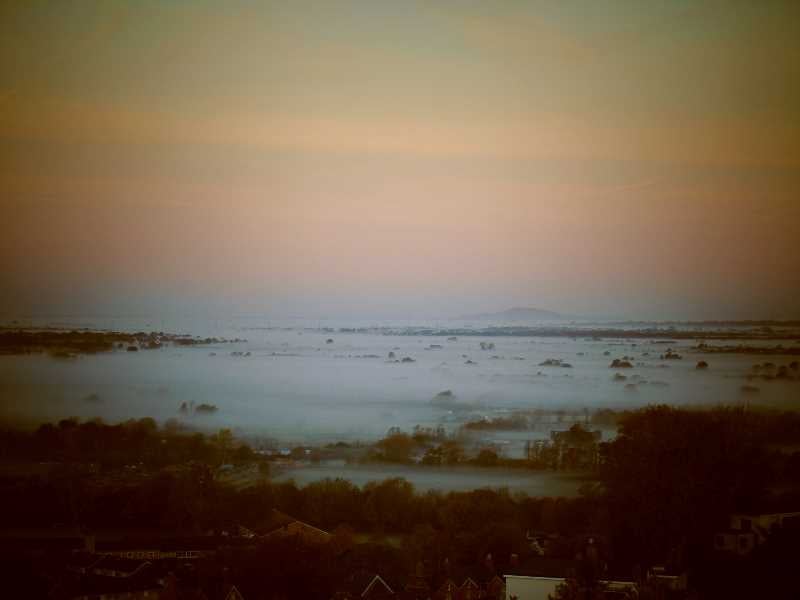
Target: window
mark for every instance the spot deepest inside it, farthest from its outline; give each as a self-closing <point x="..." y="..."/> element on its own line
<point x="746" y="524"/>
<point x="744" y="542"/>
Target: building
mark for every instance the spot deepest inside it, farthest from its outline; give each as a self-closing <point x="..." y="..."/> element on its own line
<point x="113" y="566"/>
<point x="522" y="587"/>
<point x="660" y="579"/>
<point x="447" y="591"/>
<point x="746" y="532"/>
<point x="232" y="593"/>
<point x="281" y="525"/>
<point x="469" y="590"/>
<point x="364" y="585"/>
<point x="111" y="578"/>
<point x="159" y="547"/>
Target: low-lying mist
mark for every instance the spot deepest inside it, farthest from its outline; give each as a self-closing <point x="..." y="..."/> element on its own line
<point x="299" y="384"/>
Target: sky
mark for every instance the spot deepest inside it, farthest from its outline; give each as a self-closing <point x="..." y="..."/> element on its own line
<point x="634" y="159"/>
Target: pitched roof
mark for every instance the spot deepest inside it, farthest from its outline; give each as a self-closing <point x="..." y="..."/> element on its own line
<point x="366" y="584"/>
<point x="543" y="566"/>
<point x="376" y="583"/>
<point x="232" y="593"/>
<point x="279" y="520"/>
<point x="447" y="590"/>
<point x="275" y="520"/>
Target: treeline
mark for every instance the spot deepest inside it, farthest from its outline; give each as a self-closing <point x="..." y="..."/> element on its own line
<point x="133" y="442"/>
<point x="667" y="483"/>
<point x="670" y="480"/>
<point x="672" y="477"/>
<point x="433" y="448"/>
<point x="515" y="422"/>
<point x="463" y="526"/>
<point x="537" y="419"/>
<point x="421" y="448"/>
<point x="62" y="343"/>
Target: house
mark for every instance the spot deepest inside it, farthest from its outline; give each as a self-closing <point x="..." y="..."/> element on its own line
<point x="469" y="590"/>
<point x="543" y="566"/>
<point x="364" y="585"/>
<point x="495" y="588"/>
<point x="232" y="593"/>
<point x="112" y="578"/>
<point x="105" y="577"/>
<point x="377" y="588"/>
<point x="113" y="566"/>
<point x="659" y="578"/>
<point x="281" y="525"/>
<point x="732" y="541"/>
<point x="746" y="532"/>
<point x="176" y="588"/>
<point x="523" y="587"/>
<point x="154" y="547"/>
<point x="763" y="524"/>
<point x="417" y="587"/>
<point x="492" y="589"/>
<point x="446" y="591"/>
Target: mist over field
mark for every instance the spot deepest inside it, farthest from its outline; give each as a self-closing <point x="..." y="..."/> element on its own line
<point x="296" y="381"/>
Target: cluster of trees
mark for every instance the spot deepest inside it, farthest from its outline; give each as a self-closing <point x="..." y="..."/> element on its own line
<point x="28" y="341"/>
<point x="608" y="417"/>
<point x="515" y="422"/>
<point x="667" y="483"/>
<point x="190" y="499"/>
<point x="133" y="442"/>
<point x="402" y="448"/>
<point x="672" y="477"/>
<point x="574" y="449"/>
<point x="396" y="447"/>
<point x="393" y="507"/>
<point x="522" y="420"/>
<point x="62" y="343"/>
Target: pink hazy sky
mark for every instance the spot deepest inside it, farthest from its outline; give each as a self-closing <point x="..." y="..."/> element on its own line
<point x="400" y="159"/>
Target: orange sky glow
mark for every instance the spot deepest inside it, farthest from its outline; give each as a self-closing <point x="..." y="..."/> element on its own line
<point x="400" y="159"/>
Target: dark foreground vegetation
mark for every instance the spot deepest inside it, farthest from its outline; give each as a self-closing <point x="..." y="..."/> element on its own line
<point x="667" y="488"/>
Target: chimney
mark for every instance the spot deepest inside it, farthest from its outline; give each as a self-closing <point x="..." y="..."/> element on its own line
<point x="489" y="563"/>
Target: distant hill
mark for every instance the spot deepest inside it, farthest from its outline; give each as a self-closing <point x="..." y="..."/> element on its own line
<point x="518" y="314"/>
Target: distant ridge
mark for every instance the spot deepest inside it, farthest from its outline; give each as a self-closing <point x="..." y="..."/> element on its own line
<point x="518" y="313"/>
